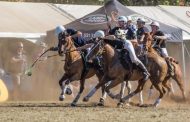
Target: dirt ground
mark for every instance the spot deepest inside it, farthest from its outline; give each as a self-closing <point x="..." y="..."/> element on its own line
<point x="61" y="111"/>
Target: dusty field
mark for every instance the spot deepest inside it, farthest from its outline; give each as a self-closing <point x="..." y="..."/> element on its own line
<point x="57" y="111"/>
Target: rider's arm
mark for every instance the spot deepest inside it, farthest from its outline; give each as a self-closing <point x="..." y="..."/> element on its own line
<point x="134" y="41"/>
<point x="160" y="37"/>
<point x="84" y="47"/>
<point x="142" y="38"/>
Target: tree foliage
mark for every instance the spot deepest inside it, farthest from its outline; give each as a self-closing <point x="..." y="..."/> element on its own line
<point x="98" y="2"/>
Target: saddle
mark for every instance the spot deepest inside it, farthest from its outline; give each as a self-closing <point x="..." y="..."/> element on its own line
<point x="96" y="63"/>
<point x="126" y="61"/>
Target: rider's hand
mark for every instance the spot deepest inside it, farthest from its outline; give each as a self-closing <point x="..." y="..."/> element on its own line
<point x="156" y="37"/>
<point x="60" y="53"/>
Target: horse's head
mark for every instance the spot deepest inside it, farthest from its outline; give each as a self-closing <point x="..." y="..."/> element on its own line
<point x="65" y="42"/>
<point x="61" y="42"/>
<point x="148" y="41"/>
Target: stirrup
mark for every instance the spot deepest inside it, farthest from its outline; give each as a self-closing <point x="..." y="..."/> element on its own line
<point x="146" y="76"/>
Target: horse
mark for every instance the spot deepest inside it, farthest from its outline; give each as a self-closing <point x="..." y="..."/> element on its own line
<point x="74" y="67"/>
<point x="116" y="73"/>
<point x="178" y="75"/>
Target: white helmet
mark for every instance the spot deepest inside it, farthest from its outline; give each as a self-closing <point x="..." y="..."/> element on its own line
<point x="99" y="33"/>
<point x="59" y="29"/>
<point x="155" y="23"/>
<point x="122" y="18"/>
<point x="120" y="34"/>
<point x="141" y="20"/>
<point x="129" y="18"/>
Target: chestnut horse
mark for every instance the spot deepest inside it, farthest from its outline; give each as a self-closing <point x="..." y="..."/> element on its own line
<point x="73" y="68"/>
<point x="116" y="73"/>
<point x="178" y="76"/>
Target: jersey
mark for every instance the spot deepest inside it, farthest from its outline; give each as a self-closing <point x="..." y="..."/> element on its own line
<point x="78" y="40"/>
<point x="160" y="33"/>
<point x="131" y="32"/>
<point x="112" y="31"/>
<point x="141" y="32"/>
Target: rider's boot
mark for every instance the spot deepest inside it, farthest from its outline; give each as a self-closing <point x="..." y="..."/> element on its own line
<point x="144" y="70"/>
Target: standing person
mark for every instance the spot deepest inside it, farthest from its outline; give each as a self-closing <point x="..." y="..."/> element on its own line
<point x="19" y="64"/>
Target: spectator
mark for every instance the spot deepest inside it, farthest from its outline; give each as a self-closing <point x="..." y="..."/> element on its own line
<point x="18" y="64"/>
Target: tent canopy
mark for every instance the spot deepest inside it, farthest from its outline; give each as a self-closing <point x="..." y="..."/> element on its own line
<point x="97" y="21"/>
<point x="19" y="17"/>
<point x="158" y="13"/>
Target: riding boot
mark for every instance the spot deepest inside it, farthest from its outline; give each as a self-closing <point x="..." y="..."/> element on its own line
<point x="170" y="67"/>
<point x="144" y="70"/>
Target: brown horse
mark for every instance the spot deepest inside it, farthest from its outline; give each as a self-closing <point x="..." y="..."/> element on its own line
<point x="116" y="73"/>
<point x="178" y="76"/>
<point x="73" y="68"/>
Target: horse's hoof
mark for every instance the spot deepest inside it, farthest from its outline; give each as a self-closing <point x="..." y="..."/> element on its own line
<point x="120" y="104"/>
<point x="73" y="104"/>
<point x="100" y="104"/>
<point x="62" y="98"/>
<point x="85" y="99"/>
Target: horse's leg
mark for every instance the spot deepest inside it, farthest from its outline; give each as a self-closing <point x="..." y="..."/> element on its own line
<point x="103" y="81"/>
<point x="122" y="91"/>
<point x="171" y="87"/>
<point x="167" y="85"/>
<point x="112" y="85"/>
<point x="150" y="91"/>
<point x="62" y="82"/>
<point x="138" y="89"/>
<point x="129" y="90"/>
<point x="141" y="98"/>
<point x="178" y="78"/>
<point x="104" y="94"/>
<point x="159" y="88"/>
<point x="82" y="81"/>
<point x="102" y="99"/>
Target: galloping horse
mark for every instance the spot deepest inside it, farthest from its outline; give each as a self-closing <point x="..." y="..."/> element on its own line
<point x="115" y="72"/>
<point x="178" y="76"/>
<point x="74" y="67"/>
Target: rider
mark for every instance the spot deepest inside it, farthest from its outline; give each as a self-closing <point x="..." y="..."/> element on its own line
<point x="131" y="29"/>
<point x="61" y="32"/>
<point x="141" y="32"/>
<point x="80" y="43"/>
<point x="122" y="22"/>
<point x="160" y="42"/>
<point x="126" y="44"/>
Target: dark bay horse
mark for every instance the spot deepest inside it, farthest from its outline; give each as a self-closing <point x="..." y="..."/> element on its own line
<point x="73" y="68"/>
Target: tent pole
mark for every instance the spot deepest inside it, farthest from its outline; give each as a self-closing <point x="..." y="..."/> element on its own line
<point x="184" y="65"/>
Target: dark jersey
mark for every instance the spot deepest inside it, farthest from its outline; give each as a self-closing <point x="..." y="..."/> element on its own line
<point x="112" y="31"/>
<point x="160" y="33"/>
<point x="117" y="44"/>
<point x="141" y="32"/>
<point x="78" y="40"/>
<point x="131" y="32"/>
<point x="71" y="32"/>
